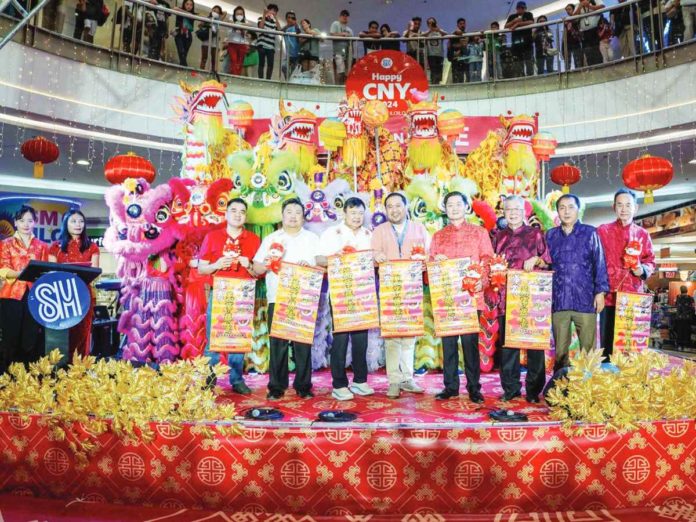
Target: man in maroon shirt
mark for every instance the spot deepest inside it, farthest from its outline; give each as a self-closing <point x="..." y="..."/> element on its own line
<point x="228" y="253"/>
<point x="524" y="248"/>
<point x="460" y="240"/>
<point x="628" y="251"/>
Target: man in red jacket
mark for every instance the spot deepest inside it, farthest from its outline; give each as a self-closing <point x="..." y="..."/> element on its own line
<point x="630" y="260"/>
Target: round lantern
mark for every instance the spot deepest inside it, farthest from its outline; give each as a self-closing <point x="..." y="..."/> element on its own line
<point x="375" y="113"/>
<point x="120" y="168"/>
<point x="544" y="145"/>
<point x="40" y="151"/>
<point x="451" y="123"/>
<point x="648" y="173"/>
<point x="241" y="114"/>
<point x="565" y="175"/>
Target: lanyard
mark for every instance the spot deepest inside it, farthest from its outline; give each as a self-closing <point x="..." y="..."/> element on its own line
<point x="400" y="237"/>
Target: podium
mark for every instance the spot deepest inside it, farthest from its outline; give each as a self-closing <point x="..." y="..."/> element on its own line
<point x="59" y="299"/>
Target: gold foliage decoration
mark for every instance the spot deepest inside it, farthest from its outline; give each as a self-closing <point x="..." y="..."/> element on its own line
<point x="637" y="392"/>
<point x="92" y="397"/>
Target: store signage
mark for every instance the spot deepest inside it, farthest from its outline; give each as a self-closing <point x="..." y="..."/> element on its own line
<point x="390" y="76"/>
<point x="59" y="300"/>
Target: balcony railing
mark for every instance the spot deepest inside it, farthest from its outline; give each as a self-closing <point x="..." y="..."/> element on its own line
<point x="139" y="31"/>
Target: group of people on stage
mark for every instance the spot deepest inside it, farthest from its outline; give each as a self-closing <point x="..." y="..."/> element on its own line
<point x="21" y="337"/>
<point x="590" y="264"/>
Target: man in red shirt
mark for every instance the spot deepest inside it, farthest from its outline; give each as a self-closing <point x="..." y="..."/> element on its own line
<point x="460" y="240"/>
<point x="630" y="259"/>
<point x="228" y="253"/>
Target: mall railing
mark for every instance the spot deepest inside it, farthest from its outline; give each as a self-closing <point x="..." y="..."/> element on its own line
<point x="138" y="30"/>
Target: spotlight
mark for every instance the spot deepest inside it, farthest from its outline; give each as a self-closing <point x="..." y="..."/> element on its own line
<point x="83" y="162"/>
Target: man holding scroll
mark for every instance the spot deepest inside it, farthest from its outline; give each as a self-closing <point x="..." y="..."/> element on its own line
<point x="524" y="248"/>
<point x="457" y="240"/>
<point x="228" y="253"/>
<point x="293" y="244"/>
<point x="399" y="238"/>
<point x="349" y="236"/>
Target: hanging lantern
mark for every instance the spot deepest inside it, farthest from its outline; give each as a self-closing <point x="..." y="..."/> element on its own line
<point x="565" y="175"/>
<point x="120" y="168"/>
<point x="40" y="151"/>
<point x="544" y="145"/>
<point x="241" y="114"/>
<point x="648" y="173"/>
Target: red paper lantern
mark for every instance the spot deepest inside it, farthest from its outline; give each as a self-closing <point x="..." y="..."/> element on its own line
<point x="544" y="145"/>
<point x="648" y="173"/>
<point x="120" y="168"/>
<point x="565" y="175"/>
<point x="40" y="151"/>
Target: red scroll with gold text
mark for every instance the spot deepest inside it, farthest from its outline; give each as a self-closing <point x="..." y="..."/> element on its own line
<point x="232" y="315"/>
<point x="632" y="324"/>
<point x="352" y="291"/>
<point x="454" y="309"/>
<point x="401" y="298"/>
<point x="297" y="302"/>
<point x="528" y="310"/>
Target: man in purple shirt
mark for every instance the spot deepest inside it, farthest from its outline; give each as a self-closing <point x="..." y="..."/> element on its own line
<point x="579" y="280"/>
<point x="524" y="248"/>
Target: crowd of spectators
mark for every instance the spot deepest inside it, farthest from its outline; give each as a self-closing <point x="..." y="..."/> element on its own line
<point x="525" y="48"/>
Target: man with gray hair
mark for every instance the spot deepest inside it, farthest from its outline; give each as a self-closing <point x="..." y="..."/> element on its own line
<point x="524" y="248"/>
<point x="400" y="238"/>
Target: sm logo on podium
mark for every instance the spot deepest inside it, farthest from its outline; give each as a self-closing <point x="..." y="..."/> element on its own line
<point x="59" y="300"/>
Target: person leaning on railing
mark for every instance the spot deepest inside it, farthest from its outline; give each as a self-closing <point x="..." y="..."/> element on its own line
<point x="494" y="44"/>
<point x="266" y="42"/>
<point x="341" y="48"/>
<point x="572" y="41"/>
<point x="590" y="31"/>
<point x="236" y="43"/>
<point x="624" y="21"/>
<point x="371" y="37"/>
<point x="436" y="52"/>
<point x="309" y="47"/>
<point x="389" y="45"/>
<point x="157" y="30"/>
<point x="456" y="54"/>
<point x="415" y="48"/>
<point x="183" y="31"/>
<point x="521" y="40"/>
<point x="209" y="34"/>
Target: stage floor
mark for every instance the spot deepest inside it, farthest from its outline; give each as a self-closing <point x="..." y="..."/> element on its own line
<point x="410" y="410"/>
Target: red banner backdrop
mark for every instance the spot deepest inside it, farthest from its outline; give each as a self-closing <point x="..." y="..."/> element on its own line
<point x="352" y="470"/>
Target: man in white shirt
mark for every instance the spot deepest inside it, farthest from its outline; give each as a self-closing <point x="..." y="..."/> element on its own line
<point x="342" y="48"/>
<point x="299" y="246"/>
<point x="348" y="236"/>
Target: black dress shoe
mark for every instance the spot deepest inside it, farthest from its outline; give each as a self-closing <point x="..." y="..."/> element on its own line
<point x="241" y="388"/>
<point x="476" y="397"/>
<point x="305" y="395"/>
<point x="507" y="397"/>
<point x="446" y="394"/>
<point x="274" y="396"/>
<point x="532" y="400"/>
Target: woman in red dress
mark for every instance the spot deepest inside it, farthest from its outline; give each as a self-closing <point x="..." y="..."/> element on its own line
<point x="73" y="246"/>
<point x="21" y="337"/>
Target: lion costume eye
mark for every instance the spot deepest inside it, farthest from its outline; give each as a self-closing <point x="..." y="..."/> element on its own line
<point x="162" y="215"/>
<point x="338" y="202"/>
<point x="284" y="182"/>
<point x="221" y="204"/>
<point x="237" y="181"/>
<point x="420" y="209"/>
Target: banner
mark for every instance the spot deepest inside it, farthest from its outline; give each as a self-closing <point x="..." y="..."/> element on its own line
<point x="632" y="323"/>
<point x="401" y="298"/>
<point x="528" y="310"/>
<point x="388" y="76"/>
<point x="232" y="314"/>
<point x="297" y="302"/>
<point x="49" y="214"/>
<point x="454" y="310"/>
<point x="352" y="291"/>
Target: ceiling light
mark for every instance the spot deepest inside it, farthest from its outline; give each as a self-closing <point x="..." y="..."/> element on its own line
<point x="83" y="162"/>
<point x="692" y="162"/>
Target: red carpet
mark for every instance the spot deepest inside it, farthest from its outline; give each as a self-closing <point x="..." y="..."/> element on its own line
<point x="410" y="408"/>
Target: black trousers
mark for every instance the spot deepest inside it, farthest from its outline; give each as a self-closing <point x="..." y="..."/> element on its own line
<point x="339" y="347"/>
<point x="522" y="60"/>
<point x="21" y="337"/>
<point x="590" y="47"/>
<point x="606" y="330"/>
<point x="510" y="367"/>
<point x="435" y="66"/>
<point x="278" y="365"/>
<point x="472" y="364"/>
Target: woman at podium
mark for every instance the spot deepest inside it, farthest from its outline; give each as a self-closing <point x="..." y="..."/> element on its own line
<point x="21" y="337"/>
<point x="74" y="247"/>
